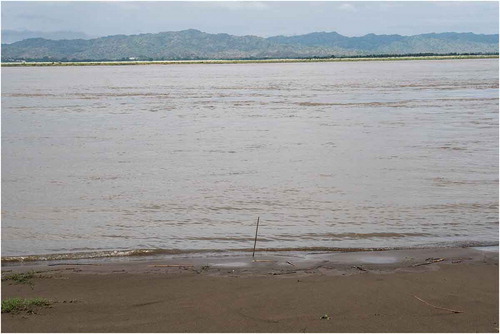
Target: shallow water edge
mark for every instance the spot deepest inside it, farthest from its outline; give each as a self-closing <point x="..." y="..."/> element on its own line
<point x="205" y="254"/>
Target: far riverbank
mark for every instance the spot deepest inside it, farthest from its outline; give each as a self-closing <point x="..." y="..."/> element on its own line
<point x="252" y="61"/>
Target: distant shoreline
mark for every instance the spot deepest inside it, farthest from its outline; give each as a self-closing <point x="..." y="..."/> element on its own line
<point x="174" y="62"/>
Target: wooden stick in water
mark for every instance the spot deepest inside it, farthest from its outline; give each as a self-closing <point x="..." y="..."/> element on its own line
<point x="255" y="241"/>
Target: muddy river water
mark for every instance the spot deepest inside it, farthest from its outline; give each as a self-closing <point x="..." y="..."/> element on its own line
<point x="186" y="157"/>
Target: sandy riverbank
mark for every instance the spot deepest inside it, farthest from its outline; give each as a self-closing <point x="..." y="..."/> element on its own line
<point x="360" y="292"/>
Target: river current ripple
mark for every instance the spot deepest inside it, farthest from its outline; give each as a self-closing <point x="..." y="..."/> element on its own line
<point x="186" y="157"/>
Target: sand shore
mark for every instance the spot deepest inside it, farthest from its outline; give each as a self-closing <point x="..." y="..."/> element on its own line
<point x="289" y="292"/>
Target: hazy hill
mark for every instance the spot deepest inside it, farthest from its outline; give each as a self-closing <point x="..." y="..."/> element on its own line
<point x="12" y="36"/>
<point x="194" y="44"/>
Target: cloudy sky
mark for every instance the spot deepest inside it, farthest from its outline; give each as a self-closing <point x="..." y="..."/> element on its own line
<point x="262" y="18"/>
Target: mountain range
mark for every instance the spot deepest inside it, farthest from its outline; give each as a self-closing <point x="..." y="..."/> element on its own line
<point x="194" y="44"/>
<point x="12" y="36"/>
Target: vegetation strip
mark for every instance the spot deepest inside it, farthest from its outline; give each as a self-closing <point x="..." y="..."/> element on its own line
<point x="15" y="305"/>
<point x="246" y="61"/>
<point x="22" y="278"/>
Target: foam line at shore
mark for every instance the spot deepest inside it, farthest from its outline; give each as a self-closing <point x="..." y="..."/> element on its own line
<point x="204" y="252"/>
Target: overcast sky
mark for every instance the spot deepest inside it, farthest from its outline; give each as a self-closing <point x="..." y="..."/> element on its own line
<point x="252" y="18"/>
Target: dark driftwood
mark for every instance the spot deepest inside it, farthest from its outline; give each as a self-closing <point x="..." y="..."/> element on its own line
<point x="171" y="265"/>
<point x="440" y="308"/>
<point x="360" y="268"/>
<point x="429" y="261"/>
<point x="73" y="264"/>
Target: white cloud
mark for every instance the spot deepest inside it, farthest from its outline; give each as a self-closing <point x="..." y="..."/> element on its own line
<point x="348" y="7"/>
<point x="238" y="5"/>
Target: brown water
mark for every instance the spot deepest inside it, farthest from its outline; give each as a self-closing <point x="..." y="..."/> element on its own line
<point x="335" y="155"/>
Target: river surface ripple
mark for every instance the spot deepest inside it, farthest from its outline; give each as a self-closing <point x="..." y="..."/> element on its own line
<point x="344" y="155"/>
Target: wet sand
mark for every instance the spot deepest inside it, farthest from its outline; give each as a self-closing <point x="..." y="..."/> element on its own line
<point x="289" y="292"/>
